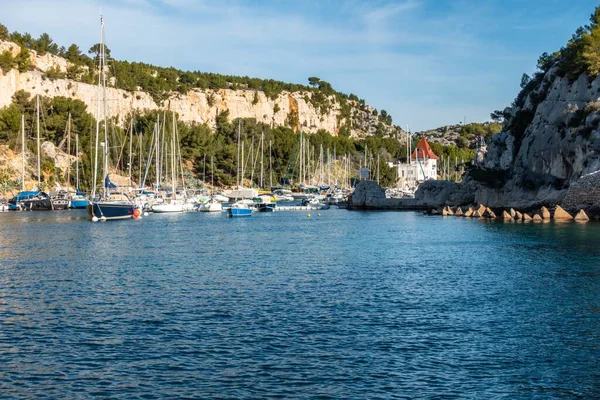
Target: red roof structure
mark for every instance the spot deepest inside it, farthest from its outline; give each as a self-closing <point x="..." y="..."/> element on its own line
<point x="423" y="151"/>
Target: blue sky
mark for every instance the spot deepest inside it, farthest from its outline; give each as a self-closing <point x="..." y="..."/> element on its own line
<point x="427" y="62"/>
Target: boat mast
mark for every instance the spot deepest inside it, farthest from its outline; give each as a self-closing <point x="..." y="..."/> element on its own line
<point x="328" y="168"/>
<point x="141" y="159"/>
<point x="95" y="180"/>
<point x="301" y="158"/>
<point x="242" y="176"/>
<point x="130" y="150"/>
<point x="77" y="162"/>
<point x="69" y="151"/>
<point x="253" y="161"/>
<point x="262" y="157"/>
<point x="173" y="170"/>
<point x="270" y="165"/>
<point x="238" y="152"/>
<point x="39" y="165"/>
<point x="23" y="152"/>
<point x="157" y="136"/>
<point x="103" y="73"/>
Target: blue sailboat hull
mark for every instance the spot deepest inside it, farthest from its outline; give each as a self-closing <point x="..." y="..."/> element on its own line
<point x="239" y="212"/>
<point x="110" y="210"/>
<point x="80" y="203"/>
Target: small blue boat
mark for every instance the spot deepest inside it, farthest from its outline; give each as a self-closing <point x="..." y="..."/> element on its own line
<point x="239" y="210"/>
<point x="78" y="200"/>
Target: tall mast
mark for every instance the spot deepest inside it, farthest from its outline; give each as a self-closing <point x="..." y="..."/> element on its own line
<point x="103" y="73"/>
<point x="77" y="162"/>
<point x="252" y="161"/>
<point x="378" y="168"/>
<point x="23" y="152"/>
<point x="69" y="151"/>
<point x="39" y="165"/>
<point x="95" y="180"/>
<point x="366" y="152"/>
<point x="179" y="158"/>
<point x="262" y="151"/>
<point x="242" y="176"/>
<point x="173" y="153"/>
<point x="157" y="136"/>
<point x="321" y="175"/>
<point x="328" y="169"/>
<point x="141" y="160"/>
<point x="238" y="152"/>
<point x="130" y="150"/>
<point x="270" y="165"/>
<point x="301" y="175"/>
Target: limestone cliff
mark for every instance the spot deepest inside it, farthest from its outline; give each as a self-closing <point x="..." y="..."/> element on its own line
<point x="551" y="139"/>
<point x="198" y="105"/>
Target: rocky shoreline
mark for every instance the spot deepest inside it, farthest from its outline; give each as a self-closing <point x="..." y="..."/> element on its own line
<point x="580" y="203"/>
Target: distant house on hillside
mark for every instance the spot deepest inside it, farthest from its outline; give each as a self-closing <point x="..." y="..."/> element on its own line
<point x="421" y="166"/>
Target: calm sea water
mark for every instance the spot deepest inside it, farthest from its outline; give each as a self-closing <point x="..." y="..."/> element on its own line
<point x="342" y="305"/>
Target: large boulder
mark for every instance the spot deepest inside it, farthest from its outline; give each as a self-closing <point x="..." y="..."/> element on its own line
<point x="367" y="194"/>
<point x="584" y="194"/>
<point x="442" y="193"/>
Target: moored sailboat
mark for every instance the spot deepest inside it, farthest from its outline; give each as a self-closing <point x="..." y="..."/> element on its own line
<point x="106" y="206"/>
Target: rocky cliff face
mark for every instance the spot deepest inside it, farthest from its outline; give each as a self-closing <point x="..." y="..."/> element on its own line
<point x="551" y="139"/>
<point x="201" y="106"/>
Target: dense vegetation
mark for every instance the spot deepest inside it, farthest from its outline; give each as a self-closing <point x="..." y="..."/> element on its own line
<point x="196" y="141"/>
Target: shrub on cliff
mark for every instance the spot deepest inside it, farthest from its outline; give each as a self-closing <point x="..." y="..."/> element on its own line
<point x="4" y="35"/>
<point x="7" y="62"/>
<point x="54" y="73"/>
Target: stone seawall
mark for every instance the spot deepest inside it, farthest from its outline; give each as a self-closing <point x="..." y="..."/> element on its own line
<point x="437" y="196"/>
<point x="368" y="195"/>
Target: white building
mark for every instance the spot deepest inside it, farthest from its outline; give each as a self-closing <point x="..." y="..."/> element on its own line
<point x="421" y="166"/>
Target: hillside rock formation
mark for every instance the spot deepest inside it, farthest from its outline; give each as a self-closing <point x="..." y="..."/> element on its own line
<point x="549" y="143"/>
<point x="460" y="135"/>
<point x="201" y="106"/>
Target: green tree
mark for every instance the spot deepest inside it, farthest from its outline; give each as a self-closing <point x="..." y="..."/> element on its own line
<point x="23" y="59"/>
<point x="45" y="44"/>
<point x="54" y="73"/>
<point x="591" y="49"/>
<point x="546" y="61"/>
<point x="4" y="35"/>
<point x="497" y="116"/>
<point x="73" y="53"/>
<point x="96" y="49"/>
<point x="314" y="81"/>
<point x="525" y="79"/>
<point x="7" y="61"/>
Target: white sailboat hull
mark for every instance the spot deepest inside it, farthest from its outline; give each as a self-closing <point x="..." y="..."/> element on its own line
<point x="168" y="208"/>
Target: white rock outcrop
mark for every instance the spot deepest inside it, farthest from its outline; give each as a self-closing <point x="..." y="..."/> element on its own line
<point x="552" y="140"/>
<point x="191" y="107"/>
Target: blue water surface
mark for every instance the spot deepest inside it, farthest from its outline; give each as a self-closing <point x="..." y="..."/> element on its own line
<point x="279" y="305"/>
